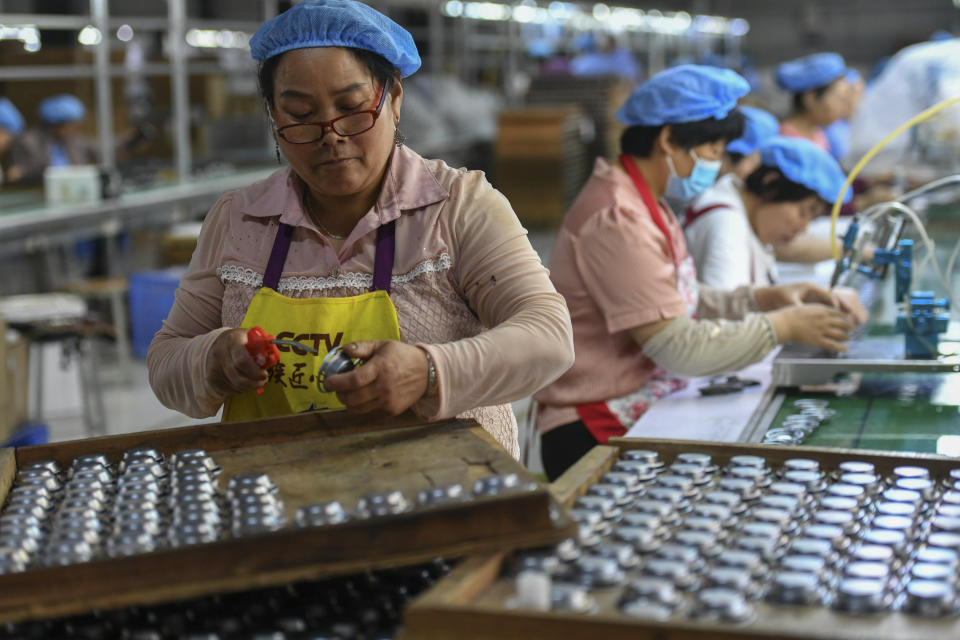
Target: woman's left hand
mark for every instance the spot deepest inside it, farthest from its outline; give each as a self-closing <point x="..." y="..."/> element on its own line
<point x="393" y="378"/>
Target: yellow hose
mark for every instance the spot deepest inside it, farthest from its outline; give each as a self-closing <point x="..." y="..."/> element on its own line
<point x="835" y="211"/>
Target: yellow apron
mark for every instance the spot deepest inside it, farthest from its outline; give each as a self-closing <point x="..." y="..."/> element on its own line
<point x="321" y="323"/>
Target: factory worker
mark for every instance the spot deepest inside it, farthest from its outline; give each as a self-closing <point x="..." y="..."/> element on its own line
<point x="819" y="88"/>
<point x="733" y="227"/>
<point x="838" y="133"/>
<point x="57" y="142"/>
<point x="621" y="262"/>
<point x="11" y="125"/>
<point x="421" y="270"/>
<point x="742" y="155"/>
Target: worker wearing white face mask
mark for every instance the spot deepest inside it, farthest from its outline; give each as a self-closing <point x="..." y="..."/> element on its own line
<point x="640" y="322"/>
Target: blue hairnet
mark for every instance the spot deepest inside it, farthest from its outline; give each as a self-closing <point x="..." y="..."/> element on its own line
<point x="758" y="127"/>
<point x="686" y="93"/>
<point x="61" y="109"/>
<point x="10" y="118"/>
<point x="811" y="72"/>
<point x="336" y="23"/>
<point x="805" y="163"/>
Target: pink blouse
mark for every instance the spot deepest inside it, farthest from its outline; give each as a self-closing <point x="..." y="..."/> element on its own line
<point x="466" y="283"/>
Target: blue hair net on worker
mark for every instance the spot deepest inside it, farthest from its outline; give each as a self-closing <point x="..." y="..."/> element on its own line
<point x="805" y="163"/>
<point x="61" y="109"/>
<point x="810" y="72"/>
<point x="10" y="118"/>
<point x="758" y="127"/>
<point x="336" y="23"/>
<point x="686" y="93"/>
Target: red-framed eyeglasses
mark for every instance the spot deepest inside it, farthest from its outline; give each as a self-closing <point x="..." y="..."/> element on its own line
<point x="351" y="124"/>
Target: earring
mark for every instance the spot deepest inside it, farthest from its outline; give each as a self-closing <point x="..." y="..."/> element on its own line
<point x="398" y="137"/>
<point x="276" y="147"/>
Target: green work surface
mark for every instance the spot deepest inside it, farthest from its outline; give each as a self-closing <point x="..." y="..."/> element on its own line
<point x="892" y="412"/>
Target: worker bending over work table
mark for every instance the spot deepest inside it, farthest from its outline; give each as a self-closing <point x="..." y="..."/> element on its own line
<point x="640" y="321"/>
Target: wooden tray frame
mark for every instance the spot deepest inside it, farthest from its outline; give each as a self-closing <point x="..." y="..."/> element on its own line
<point x="526" y="519"/>
<point x="456" y="608"/>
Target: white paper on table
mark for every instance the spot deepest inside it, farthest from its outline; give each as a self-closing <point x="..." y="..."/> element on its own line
<point x="688" y="415"/>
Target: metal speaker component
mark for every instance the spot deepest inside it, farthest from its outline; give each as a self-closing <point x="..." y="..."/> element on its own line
<point x="51" y="466"/>
<point x="800" y="464"/>
<point x="651" y="589"/>
<point x="926" y="487"/>
<point x="382" y="504"/>
<point x="642" y="539"/>
<point x="572" y="598"/>
<point x="255" y="482"/>
<point x="624" y="553"/>
<point x="748" y="461"/>
<point x="617" y="492"/>
<point x="193" y="459"/>
<point x="930" y="598"/>
<point x="321" y="514"/>
<point x="728" y="605"/>
<point x="141" y="467"/>
<point x="501" y="484"/>
<point x="626" y="479"/>
<point x="651" y="458"/>
<point x="594" y="571"/>
<point x="749" y="561"/>
<point x="543" y="561"/>
<point x="606" y="505"/>
<point x="859" y="596"/>
<point x="795" y="588"/>
<point x="447" y="494"/>
<point x="334" y="363"/>
<point x="676" y="571"/>
<point x="90" y="461"/>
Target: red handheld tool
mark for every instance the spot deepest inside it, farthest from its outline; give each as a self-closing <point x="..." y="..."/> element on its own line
<point x="262" y="347"/>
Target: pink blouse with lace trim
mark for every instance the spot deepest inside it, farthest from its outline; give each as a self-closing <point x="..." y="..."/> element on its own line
<point x="466" y="284"/>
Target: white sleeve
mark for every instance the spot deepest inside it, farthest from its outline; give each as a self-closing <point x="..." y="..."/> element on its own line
<point x="722" y="250"/>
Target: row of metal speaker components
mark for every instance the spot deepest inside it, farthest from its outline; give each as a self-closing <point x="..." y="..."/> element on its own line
<point x="394" y="502"/>
<point x="692" y="539"/>
<point x="808" y="415"/>
<point x="55" y="517"/>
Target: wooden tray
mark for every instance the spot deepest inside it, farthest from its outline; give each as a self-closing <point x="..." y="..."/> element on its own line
<point x="468" y="604"/>
<point x="312" y="458"/>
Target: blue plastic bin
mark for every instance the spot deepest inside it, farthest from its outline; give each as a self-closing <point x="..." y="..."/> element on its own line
<point x="28" y="435"/>
<point x="151" y="298"/>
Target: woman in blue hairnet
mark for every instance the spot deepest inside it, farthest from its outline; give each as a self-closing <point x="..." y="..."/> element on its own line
<point x="421" y="270"/>
<point x="733" y="228"/>
<point x="639" y="318"/>
<point x="11" y="125"/>
<point x="820" y="95"/>
<point x="57" y="142"/>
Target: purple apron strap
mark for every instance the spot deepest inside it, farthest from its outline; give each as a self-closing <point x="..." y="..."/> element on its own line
<point x="278" y="256"/>
<point x="383" y="262"/>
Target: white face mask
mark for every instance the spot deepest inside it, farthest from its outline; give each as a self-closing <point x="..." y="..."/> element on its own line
<point x="701" y="178"/>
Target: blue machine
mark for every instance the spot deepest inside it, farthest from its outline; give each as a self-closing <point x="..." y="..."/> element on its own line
<point x="923" y="317"/>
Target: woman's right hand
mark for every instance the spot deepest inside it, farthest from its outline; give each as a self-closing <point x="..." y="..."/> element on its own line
<point x="816" y="325"/>
<point x="230" y="368"/>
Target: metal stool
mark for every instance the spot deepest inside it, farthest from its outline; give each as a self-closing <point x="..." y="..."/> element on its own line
<point x="56" y="317"/>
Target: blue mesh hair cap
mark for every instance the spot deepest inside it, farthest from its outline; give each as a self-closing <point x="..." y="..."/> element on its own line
<point x="686" y="93"/>
<point x="10" y="118"/>
<point x="811" y="72"/>
<point x="61" y="109"/>
<point x="805" y="163"/>
<point x="758" y="127"/>
<point x="336" y="23"/>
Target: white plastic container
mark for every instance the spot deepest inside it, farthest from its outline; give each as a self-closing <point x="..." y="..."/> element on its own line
<point x="74" y="184"/>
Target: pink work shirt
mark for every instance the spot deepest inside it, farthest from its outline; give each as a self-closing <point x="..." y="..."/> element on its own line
<point x="614" y="268"/>
<point x="466" y="283"/>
